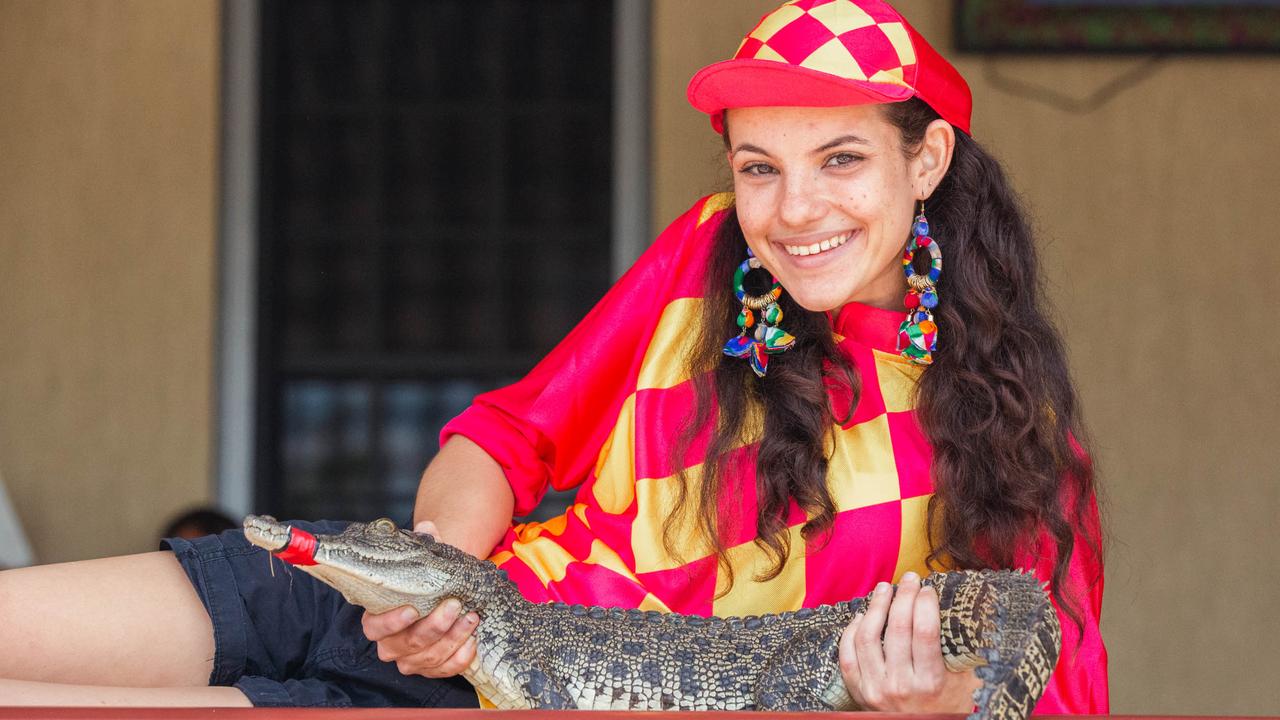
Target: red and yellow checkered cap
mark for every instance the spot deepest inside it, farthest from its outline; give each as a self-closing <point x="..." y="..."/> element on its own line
<point x="828" y="53"/>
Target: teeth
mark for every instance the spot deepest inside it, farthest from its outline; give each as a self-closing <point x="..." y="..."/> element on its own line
<point x="818" y="247"/>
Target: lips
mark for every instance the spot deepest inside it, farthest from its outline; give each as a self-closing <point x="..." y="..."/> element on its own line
<point x="818" y="247"/>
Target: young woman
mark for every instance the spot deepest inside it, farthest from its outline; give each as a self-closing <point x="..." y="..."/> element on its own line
<point x="769" y="411"/>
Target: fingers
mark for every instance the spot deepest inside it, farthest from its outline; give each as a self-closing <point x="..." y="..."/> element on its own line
<point x="455" y="664"/>
<point x="904" y="671"/>
<point x="898" y="630"/>
<point x="878" y="651"/>
<point x="866" y="639"/>
<point x="449" y="643"/>
<point x="426" y="527"/>
<point x="449" y="655"/>
<point x="382" y="625"/>
<point x="437" y="645"/>
<point x="848" y="657"/>
<point x="418" y="636"/>
<point x="926" y="640"/>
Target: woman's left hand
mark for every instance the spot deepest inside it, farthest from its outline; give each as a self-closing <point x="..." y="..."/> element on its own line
<point x="905" y="673"/>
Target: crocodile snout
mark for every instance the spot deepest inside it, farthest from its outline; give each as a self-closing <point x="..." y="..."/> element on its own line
<point x="265" y="532"/>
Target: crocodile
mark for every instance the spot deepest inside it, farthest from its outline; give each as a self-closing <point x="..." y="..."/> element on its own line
<point x="529" y="655"/>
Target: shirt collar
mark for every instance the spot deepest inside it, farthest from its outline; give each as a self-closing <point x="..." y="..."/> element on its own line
<point x="870" y="326"/>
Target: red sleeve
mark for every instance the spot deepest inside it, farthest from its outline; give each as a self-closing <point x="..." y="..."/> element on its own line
<point x="547" y="429"/>
<point x="1079" y="683"/>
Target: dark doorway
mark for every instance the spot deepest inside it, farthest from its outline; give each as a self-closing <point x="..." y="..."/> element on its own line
<point x="435" y="216"/>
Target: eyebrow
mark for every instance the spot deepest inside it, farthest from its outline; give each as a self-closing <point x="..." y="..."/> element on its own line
<point x="842" y="140"/>
<point x="748" y="147"/>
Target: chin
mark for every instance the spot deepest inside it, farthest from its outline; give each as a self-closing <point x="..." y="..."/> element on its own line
<point x="817" y="303"/>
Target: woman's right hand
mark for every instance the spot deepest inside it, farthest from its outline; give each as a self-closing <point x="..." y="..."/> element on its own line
<point x="438" y="645"/>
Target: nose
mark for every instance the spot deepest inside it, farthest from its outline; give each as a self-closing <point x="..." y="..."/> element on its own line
<point x="802" y="203"/>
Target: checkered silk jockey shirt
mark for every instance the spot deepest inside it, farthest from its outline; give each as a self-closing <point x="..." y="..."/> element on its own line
<point x="601" y="413"/>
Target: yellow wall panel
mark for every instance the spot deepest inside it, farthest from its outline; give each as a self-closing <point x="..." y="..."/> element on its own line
<point x="107" y="244"/>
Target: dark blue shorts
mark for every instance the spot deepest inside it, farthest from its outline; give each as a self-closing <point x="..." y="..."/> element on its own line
<point x="285" y="639"/>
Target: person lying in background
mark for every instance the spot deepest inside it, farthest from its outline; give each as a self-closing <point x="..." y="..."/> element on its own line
<point x="198" y="522"/>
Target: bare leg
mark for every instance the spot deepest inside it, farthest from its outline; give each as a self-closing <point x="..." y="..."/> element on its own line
<point x="131" y="621"/>
<point x="25" y="692"/>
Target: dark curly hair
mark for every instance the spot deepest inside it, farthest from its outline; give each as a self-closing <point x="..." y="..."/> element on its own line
<point x="997" y="404"/>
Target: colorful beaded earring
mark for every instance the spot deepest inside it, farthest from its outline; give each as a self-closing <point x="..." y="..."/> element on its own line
<point x="918" y="334"/>
<point x="761" y="336"/>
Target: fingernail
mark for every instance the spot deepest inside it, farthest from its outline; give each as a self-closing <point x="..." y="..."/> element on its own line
<point x="453" y="607"/>
<point x="409" y="614"/>
<point x="472" y="619"/>
<point x="910" y="576"/>
<point x="882" y="588"/>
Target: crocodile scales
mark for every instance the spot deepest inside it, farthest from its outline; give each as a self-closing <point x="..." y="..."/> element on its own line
<point x="559" y="656"/>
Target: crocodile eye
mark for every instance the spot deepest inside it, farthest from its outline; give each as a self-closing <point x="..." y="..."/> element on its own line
<point x="384" y="525"/>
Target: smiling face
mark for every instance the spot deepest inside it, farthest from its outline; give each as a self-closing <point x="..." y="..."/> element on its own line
<point x="826" y="198"/>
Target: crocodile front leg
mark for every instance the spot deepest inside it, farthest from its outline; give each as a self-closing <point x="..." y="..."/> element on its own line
<point x="543" y="691"/>
<point x="804" y="677"/>
<point x="512" y="682"/>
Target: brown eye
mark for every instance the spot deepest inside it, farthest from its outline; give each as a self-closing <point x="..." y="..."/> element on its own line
<point x="842" y="159"/>
<point x="384" y="525"/>
<point x="757" y="169"/>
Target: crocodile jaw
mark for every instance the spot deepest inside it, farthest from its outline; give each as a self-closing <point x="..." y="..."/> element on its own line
<point x="370" y="595"/>
<point x="353" y="572"/>
<point x="265" y="532"/>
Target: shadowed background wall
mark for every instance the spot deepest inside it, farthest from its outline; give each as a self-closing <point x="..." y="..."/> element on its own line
<point x="1154" y="217"/>
<point x="108" y="140"/>
<point x="1152" y="211"/>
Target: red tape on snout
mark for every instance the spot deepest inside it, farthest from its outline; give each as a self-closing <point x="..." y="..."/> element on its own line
<point x="301" y="549"/>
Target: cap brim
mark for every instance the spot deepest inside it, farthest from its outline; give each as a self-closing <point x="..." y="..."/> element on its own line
<point x="765" y="83"/>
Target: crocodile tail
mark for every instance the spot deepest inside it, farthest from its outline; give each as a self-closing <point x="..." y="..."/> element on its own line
<point x="964" y="598"/>
<point x="1022" y="639"/>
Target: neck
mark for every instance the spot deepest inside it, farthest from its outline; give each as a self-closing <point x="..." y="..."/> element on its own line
<point x="885" y="293"/>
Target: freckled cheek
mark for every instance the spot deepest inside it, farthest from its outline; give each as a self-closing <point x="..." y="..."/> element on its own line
<point x="753" y="231"/>
<point x="855" y="205"/>
<point x="753" y="218"/>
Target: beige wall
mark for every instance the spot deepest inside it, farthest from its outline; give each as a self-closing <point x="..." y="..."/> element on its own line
<point x="1152" y="211"/>
<point x="107" y="209"/>
<point x="1157" y="216"/>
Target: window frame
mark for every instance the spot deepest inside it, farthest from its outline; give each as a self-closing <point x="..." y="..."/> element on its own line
<point x="238" y="444"/>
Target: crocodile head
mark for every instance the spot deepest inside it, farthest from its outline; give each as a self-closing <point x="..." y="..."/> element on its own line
<point x="377" y="565"/>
